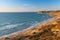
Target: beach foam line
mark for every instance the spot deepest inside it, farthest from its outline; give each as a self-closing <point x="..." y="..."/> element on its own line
<point x="46" y="21"/>
<point x="31" y="27"/>
<point x="5" y="23"/>
<point x="20" y="31"/>
<point x="9" y="26"/>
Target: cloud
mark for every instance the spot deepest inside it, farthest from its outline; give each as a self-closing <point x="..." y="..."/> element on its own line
<point x="25" y="4"/>
<point x="20" y="9"/>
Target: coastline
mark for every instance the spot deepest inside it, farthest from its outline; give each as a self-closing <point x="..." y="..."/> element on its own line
<point x="31" y="27"/>
<point x="46" y="30"/>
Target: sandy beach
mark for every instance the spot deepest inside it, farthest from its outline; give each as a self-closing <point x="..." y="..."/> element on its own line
<point x="47" y="30"/>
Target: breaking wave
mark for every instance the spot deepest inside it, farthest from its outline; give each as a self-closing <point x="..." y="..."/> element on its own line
<point x="10" y="26"/>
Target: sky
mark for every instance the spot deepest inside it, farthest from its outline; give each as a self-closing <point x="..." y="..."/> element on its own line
<point x="28" y="5"/>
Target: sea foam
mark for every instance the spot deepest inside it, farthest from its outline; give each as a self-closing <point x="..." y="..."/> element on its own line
<point x="10" y="26"/>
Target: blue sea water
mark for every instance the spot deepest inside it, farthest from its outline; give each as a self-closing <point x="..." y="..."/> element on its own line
<point x="11" y="22"/>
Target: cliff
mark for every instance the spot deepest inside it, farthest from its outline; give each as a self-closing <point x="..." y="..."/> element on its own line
<point x="49" y="30"/>
<point x="47" y="12"/>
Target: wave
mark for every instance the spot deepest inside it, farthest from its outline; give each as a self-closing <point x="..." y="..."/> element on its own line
<point x="4" y="23"/>
<point x="15" y="25"/>
<point x="31" y="27"/>
<point x="10" y="26"/>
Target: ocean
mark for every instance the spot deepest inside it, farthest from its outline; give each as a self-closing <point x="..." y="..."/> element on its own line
<point x="11" y="22"/>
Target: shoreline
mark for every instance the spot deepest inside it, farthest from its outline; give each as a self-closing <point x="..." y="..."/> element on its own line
<point x="32" y="27"/>
<point x="46" y="30"/>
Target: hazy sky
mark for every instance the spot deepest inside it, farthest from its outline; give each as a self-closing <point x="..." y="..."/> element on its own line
<point x="28" y="5"/>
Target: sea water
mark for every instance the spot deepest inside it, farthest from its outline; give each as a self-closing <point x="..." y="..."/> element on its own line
<point x="11" y="22"/>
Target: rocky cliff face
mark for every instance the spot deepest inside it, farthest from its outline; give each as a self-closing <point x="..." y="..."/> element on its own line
<point x="51" y="13"/>
<point x="49" y="30"/>
<point x="41" y="12"/>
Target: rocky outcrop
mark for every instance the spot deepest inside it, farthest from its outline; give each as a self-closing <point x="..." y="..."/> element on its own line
<point x="41" y="12"/>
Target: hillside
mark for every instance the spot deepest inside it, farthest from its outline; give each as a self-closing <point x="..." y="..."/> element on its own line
<point x="49" y="30"/>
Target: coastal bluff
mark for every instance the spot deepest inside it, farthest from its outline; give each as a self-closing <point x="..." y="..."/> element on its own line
<point x="52" y="13"/>
<point x="41" y="12"/>
<point x="49" y="30"/>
